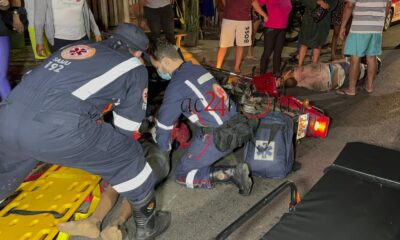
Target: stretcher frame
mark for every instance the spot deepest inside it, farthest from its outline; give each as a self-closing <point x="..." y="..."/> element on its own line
<point x="294" y="199"/>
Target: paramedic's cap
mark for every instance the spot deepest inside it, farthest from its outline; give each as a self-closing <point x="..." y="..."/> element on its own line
<point x="132" y="36"/>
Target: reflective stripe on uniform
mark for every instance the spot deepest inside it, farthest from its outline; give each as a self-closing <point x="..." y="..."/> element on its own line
<point x="193" y="118"/>
<point x="125" y="123"/>
<point x="96" y="84"/>
<point x="204" y="78"/>
<point x="190" y="178"/>
<point x="164" y="127"/>
<point x="135" y="182"/>
<point x="204" y="101"/>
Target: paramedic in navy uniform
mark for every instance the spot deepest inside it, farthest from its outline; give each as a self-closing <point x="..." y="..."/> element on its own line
<point x="51" y="116"/>
<point x="195" y="93"/>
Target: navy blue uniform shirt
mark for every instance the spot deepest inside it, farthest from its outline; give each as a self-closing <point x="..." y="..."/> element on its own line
<point x="195" y="93"/>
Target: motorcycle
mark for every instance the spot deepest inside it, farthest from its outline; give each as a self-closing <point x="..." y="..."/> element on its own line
<point x="256" y="96"/>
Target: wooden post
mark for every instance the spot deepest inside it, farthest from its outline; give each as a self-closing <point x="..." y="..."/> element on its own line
<point x="115" y="9"/>
<point x="125" y="4"/>
<point x="104" y="13"/>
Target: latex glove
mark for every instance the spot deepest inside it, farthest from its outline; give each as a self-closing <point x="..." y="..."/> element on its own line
<point x="153" y="134"/>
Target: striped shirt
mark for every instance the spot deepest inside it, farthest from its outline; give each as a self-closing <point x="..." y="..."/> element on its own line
<point x="368" y="16"/>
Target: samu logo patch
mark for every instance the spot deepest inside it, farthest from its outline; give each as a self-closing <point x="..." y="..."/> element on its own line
<point x="264" y="151"/>
<point x="78" y="52"/>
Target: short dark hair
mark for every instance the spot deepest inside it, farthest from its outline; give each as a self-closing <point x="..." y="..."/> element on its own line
<point x="162" y="48"/>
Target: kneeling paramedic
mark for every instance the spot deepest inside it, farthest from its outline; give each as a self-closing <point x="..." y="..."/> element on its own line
<point x="51" y="116"/>
<point x="195" y="93"/>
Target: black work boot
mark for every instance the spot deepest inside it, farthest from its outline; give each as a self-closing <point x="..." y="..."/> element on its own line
<point x="238" y="175"/>
<point x="149" y="222"/>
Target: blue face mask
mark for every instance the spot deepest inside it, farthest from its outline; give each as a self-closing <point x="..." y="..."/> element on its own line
<point x="164" y="76"/>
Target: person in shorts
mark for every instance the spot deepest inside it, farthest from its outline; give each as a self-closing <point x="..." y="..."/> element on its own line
<point x="364" y="40"/>
<point x="237" y="28"/>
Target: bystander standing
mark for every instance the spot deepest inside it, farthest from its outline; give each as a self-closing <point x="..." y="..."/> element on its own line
<point x="364" y="39"/>
<point x="236" y="28"/>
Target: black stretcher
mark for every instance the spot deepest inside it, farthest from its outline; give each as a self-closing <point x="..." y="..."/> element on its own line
<point x="357" y="198"/>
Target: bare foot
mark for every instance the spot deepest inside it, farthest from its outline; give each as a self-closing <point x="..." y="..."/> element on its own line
<point x="367" y="89"/>
<point x="111" y="233"/>
<point x="87" y="227"/>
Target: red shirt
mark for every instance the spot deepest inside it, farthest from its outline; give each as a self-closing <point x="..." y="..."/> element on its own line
<point x="239" y="10"/>
<point x="278" y="13"/>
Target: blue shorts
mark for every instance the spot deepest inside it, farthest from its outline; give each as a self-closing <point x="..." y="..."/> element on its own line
<point x="363" y="44"/>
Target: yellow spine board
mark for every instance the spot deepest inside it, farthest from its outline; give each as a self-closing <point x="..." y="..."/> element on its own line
<point x="59" y="189"/>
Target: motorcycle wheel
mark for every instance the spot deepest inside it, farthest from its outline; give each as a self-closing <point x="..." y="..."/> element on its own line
<point x="157" y="159"/>
<point x="292" y="34"/>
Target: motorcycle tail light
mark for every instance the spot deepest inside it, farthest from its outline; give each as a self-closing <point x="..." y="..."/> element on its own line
<point x="318" y="127"/>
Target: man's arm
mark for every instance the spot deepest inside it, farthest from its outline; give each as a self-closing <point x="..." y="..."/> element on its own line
<point x="167" y="116"/>
<point x="348" y="11"/>
<point x="130" y="111"/>
<point x="259" y="10"/>
<point x="39" y="19"/>
<point x="388" y="6"/>
<point x="15" y="3"/>
<point x="143" y="2"/>
<point x="94" y="27"/>
<point x="17" y="24"/>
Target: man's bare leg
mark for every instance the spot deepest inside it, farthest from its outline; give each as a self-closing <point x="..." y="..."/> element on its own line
<point x="343" y="47"/>
<point x="90" y="227"/>
<point x="113" y="231"/>
<point x="316" y="55"/>
<point x="371" y="73"/>
<point x="335" y="37"/>
<point x="238" y="58"/>
<point x="354" y="72"/>
<point x="302" y="54"/>
<point x="221" y="56"/>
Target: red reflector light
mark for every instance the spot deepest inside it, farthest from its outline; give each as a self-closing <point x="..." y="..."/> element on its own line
<point x="318" y="127"/>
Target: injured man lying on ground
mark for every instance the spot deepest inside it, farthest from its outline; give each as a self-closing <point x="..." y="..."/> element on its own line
<point x="322" y="76"/>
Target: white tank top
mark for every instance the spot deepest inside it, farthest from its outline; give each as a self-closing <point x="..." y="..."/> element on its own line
<point x="68" y="19"/>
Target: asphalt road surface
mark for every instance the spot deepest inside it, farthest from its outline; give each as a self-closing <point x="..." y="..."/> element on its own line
<point x="371" y="118"/>
<point x="201" y="214"/>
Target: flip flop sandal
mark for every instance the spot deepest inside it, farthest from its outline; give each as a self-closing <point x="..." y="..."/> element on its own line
<point x="251" y="58"/>
<point x="342" y="92"/>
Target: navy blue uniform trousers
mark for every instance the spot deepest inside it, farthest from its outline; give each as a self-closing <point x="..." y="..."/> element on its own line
<point x="28" y="135"/>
